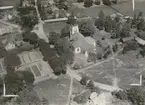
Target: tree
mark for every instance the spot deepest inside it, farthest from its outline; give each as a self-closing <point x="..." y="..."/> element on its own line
<point x="58" y="65"/>
<point x="108" y="24"/>
<point x="92" y="57"/>
<point x="13" y="83"/>
<point x="33" y="38"/>
<point x="65" y="32"/>
<point x="26" y="35"/>
<point x="80" y="99"/>
<point x="122" y="95"/>
<point x="27" y="76"/>
<point x="47" y="52"/>
<point x="41" y="10"/>
<point x="136" y="95"/>
<point x="134" y="20"/>
<point x="12" y="60"/>
<point x="45" y="101"/>
<point x="29" y="21"/>
<point x="141" y="25"/>
<point x="84" y="80"/>
<point x="1" y="87"/>
<point x="53" y="37"/>
<point x="90" y="85"/>
<point x="86" y="28"/>
<point x="115" y="48"/>
<point x="28" y="97"/>
<point x="107" y="2"/>
<point x="126" y="30"/>
<point x="65" y="50"/>
<point x="88" y="3"/>
<point x="130" y="45"/>
<point x="28" y="17"/>
<point x="3" y="51"/>
<point x="97" y="2"/>
<point x="99" y="22"/>
<point x="62" y="4"/>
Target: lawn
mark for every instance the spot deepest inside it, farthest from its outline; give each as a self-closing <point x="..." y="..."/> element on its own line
<point x="55" y="90"/>
<point x="127" y="68"/>
<point x="56" y="27"/>
<point x="124" y="8"/>
<point x="9" y="2"/>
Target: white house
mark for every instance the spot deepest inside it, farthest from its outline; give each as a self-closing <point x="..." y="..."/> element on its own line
<point x="97" y="99"/>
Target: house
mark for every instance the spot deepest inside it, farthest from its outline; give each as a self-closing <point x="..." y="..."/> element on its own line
<point x="97" y="99"/>
<point x="140" y="37"/>
<point x="140" y="41"/>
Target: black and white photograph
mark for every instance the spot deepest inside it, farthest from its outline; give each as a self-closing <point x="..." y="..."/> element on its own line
<point x="72" y="52"/>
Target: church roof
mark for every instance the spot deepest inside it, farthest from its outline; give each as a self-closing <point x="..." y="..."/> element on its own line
<point x="90" y="40"/>
<point x="80" y="41"/>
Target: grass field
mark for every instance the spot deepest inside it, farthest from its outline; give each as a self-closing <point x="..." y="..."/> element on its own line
<point x="55" y="90"/>
<point x="127" y="69"/>
<point x="124" y="8"/>
<point x="9" y="2"/>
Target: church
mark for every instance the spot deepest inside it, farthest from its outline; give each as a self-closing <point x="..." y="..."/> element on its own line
<point x="82" y="45"/>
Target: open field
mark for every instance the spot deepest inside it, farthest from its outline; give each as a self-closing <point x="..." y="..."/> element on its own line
<point x="9" y="2"/>
<point x="55" y="90"/>
<point x="124" y="8"/>
<point x="127" y="69"/>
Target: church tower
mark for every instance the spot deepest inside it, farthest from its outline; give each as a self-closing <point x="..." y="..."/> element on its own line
<point x="72" y="21"/>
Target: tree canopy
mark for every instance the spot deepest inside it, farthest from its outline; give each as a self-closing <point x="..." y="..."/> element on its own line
<point x="28" y="17"/>
<point x="86" y="28"/>
<point x="88" y="3"/>
<point x="12" y="60"/>
<point x="99" y="22"/>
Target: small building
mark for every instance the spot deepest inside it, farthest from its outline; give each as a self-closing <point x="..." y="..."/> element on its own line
<point x="97" y="99"/>
<point x="140" y="41"/>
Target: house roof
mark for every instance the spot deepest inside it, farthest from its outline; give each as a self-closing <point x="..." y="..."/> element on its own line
<point x="79" y="41"/>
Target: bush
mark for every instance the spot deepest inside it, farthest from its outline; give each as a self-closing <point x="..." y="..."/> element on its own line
<point x="92" y="57"/>
<point x="90" y="85"/>
<point x="88" y="3"/>
<point x="122" y="95"/>
<point x="115" y="48"/>
<point x="99" y="56"/>
<point x="97" y="2"/>
<point x="106" y="2"/>
<point x="84" y="80"/>
<point x="76" y="66"/>
<point x="80" y="99"/>
<point x="130" y="45"/>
